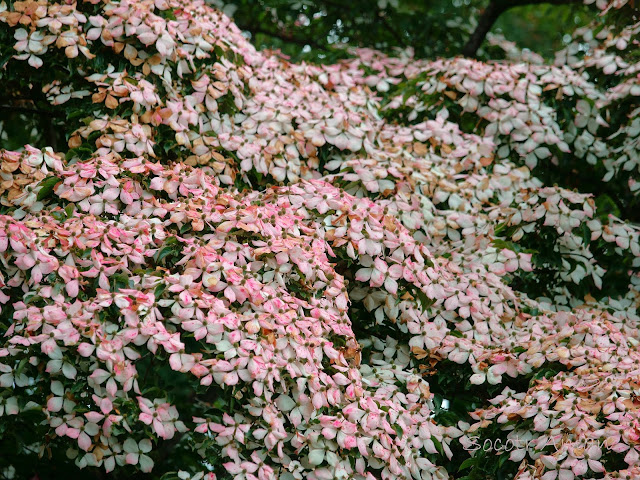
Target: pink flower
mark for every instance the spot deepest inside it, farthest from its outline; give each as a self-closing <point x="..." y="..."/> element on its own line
<point x="162" y="416"/>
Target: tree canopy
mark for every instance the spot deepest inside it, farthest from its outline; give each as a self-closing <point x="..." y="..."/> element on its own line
<point x="381" y="260"/>
<point x="431" y="29"/>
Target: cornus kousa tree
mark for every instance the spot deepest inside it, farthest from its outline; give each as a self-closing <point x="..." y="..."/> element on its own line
<point x="238" y="267"/>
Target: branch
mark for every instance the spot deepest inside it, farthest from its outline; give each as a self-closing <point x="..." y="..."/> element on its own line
<point x="492" y="13"/>
<point x="485" y="22"/>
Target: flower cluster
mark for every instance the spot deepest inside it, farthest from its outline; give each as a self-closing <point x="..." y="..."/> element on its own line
<point x="284" y="268"/>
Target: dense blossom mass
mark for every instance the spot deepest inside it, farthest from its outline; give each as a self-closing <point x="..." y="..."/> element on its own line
<point x="318" y="256"/>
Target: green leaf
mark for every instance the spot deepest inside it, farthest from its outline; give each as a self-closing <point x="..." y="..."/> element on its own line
<point x="32" y="299"/>
<point x="159" y="290"/>
<point x="438" y="445"/>
<point x="605" y="206"/>
<point x="47" y="185"/>
<point x="469" y="462"/>
<point x="169" y="247"/>
<point x="163" y="253"/>
<point x="499" y="229"/>
<point x="69" y="209"/>
<point x="21" y="365"/>
<point x="425" y="301"/>
<point x="59" y="216"/>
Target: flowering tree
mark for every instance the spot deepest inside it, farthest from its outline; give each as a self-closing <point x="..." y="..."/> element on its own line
<point x="382" y="268"/>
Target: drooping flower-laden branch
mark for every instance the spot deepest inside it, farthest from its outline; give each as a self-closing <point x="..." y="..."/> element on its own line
<point x="282" y="271"/>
